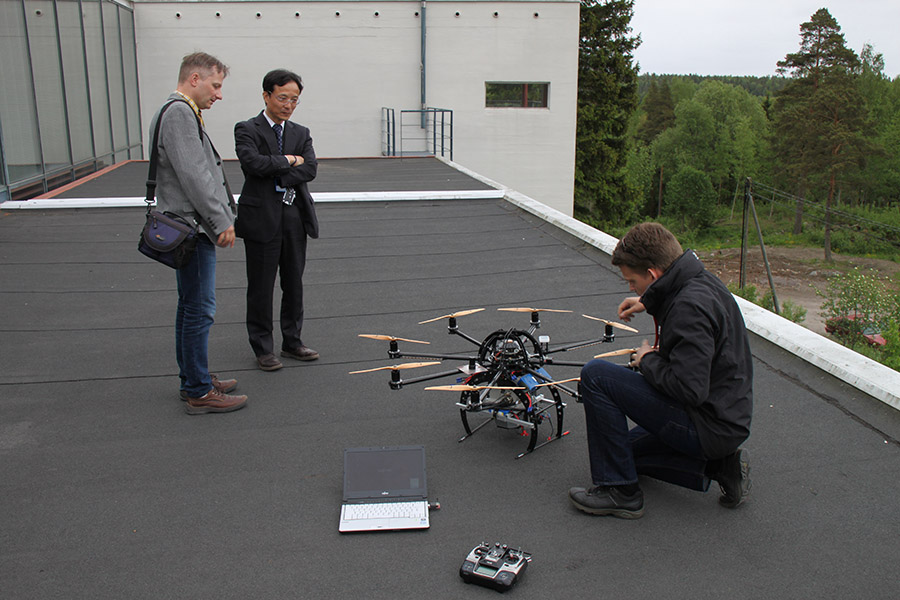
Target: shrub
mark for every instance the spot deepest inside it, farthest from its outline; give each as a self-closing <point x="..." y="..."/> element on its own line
<point x="865" y="297"/>
<point x="789" y="310"/>
<point x="861" y="293"/>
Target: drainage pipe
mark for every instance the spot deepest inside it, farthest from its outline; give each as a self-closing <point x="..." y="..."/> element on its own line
<point x="422" y="67"/>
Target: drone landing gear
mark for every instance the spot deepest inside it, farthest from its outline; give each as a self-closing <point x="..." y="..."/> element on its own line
<point x="520" y="410"/>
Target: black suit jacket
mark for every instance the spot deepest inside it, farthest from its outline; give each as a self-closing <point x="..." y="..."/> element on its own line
<point x="260" y="206"/>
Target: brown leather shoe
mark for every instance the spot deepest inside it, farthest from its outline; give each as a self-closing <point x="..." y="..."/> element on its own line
<point x="223" y="385"/>
<point x="301" y="353"/>
<point x="268" y="362"/>
<point x="214" y="402"/>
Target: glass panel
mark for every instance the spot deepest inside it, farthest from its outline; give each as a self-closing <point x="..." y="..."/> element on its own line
<point x="75" y="76"/>
<point x="114" y="75"/>
<point x="129" y="64"/>
<point x="40" y="17"/>
<point x="503" y="94"/>
<point x="21" y="145"/>
<point x="537" y="95"/>
<point x="527" y="95"/>
<point x="96" y="64"/>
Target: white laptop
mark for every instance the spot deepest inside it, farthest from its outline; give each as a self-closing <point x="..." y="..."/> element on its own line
<point x="384" y="489"/>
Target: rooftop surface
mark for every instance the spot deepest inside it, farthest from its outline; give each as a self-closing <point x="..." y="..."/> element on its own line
<point x="110" y="491"/>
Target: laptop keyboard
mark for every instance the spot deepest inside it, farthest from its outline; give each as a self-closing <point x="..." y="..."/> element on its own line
<point x="385" y="510"/>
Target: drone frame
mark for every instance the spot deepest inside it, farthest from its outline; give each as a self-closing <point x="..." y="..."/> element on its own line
<point x="505" y="358"/>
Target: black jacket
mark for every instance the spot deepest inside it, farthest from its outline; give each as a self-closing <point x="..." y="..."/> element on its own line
<point x="260" y="207"/>
<point x="704" y="353"/>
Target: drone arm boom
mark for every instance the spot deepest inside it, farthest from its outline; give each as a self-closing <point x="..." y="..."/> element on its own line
<point x="397" y="385"/>
<point x="453" y="331"/>
<point x="577" y="345"/>
<point x="563" y="363"/>
<point x="433" y="356"/>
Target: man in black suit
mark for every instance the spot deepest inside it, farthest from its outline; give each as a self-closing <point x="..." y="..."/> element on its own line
<point x="275" y="216"/>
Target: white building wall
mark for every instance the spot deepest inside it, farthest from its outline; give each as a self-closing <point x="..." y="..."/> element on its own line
<point x="357" y="57"/>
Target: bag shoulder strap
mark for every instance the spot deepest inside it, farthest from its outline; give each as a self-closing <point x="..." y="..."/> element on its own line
<point x="154" y="151"/>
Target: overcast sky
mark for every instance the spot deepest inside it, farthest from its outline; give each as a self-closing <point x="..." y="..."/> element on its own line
<point x="747" y="37"/>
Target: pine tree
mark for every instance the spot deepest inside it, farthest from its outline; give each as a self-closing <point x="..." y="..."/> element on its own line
<point x="820" y="116"/>
<point x="660" y="109"/>
<point x="607" y="96"/>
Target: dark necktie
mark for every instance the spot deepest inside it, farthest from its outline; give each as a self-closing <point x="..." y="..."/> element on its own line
<point x="277" y="128"/>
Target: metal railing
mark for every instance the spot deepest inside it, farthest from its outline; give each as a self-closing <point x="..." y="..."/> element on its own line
<point x="422" y="132"/>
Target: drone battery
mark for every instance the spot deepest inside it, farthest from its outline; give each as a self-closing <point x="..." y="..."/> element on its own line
<point x="530" y="381"/>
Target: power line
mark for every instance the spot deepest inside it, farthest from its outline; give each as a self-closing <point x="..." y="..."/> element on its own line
<point x="835" y="218"/>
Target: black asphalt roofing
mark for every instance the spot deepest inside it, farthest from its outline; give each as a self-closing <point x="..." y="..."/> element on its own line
<point x="109" y="490"/>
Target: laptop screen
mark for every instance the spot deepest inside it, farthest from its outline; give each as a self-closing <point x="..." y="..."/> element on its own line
<point x="384" y="473"/>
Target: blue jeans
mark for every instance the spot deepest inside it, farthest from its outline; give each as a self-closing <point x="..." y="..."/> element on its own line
<point x="196" y="309"/>
<point x="663" y="445"/>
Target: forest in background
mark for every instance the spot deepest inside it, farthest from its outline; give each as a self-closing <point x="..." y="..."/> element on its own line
<point x="817" y="149"/>
<point x="821" y="142"/>
<point x="755" y="86"/>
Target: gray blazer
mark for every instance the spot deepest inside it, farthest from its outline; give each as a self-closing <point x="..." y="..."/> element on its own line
<point x="190" y="180"/>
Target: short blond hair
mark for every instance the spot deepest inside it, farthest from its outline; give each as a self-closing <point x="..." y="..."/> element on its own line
<point x="202" y="63"/>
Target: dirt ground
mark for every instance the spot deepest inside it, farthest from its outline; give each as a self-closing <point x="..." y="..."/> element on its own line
<point x="796" y="272"/>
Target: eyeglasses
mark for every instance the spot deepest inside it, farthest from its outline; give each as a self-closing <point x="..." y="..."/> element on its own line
<point x="281" y="98"/>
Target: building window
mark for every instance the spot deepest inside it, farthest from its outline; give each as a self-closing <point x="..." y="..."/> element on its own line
<point x="516" y="95"/>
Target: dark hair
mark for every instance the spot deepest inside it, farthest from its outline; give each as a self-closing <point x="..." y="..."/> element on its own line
<point x="645" y="246"/>
<point x="280" y="77"/>
<point x="202" y="63"/>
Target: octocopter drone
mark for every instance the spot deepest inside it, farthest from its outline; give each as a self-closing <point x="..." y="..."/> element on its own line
<point x="505" y="380"/>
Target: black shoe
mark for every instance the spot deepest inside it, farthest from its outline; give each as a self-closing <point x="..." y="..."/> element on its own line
<point x="734" y="480"/>
<point x="268" y="362"/>
<point x="300" y="353"/>
<point x="608" y="500"/>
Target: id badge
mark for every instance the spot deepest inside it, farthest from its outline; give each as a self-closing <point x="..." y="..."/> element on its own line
<point x="288" y="197"/>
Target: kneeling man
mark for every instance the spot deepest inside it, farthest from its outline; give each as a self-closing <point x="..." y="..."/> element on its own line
<point x="689" y="394"/>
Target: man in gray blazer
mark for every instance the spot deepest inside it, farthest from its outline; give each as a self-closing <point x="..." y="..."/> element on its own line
<point x="191" y="183"/>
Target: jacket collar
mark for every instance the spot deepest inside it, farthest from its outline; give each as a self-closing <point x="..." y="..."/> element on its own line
<point x="686" y="267"/>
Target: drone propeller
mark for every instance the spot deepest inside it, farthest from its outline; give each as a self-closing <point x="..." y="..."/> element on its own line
<point x="621" y="352"/>
<point x="461" y="313"/>
<point x="558" y="382"/>
<point x="472" y="388"/>
<point x="398" y="367"/>
<point x="389" y="338"/>
<point x="613" y="323"/>
<point x="532" y="310"/>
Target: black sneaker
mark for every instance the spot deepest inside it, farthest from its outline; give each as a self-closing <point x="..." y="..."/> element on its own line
<point x="608" y="500"/>
<point x="734" y="480"/>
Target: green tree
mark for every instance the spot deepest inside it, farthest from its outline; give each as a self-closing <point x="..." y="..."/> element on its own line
<point x="660" y="110"/>
<point x="820" y="116"/>
<point x="691" y="197"/>
<point x="607" y="96"/>
<point x="878" y="183"/>
<point x="639" y="169"/>
<point x="722" y="131"/>
<point x="741" y="131"/>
